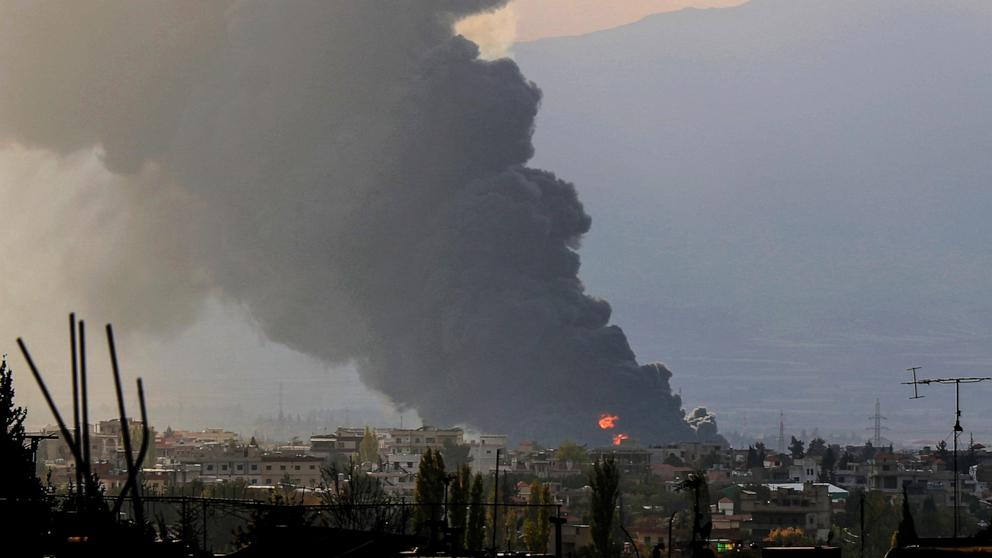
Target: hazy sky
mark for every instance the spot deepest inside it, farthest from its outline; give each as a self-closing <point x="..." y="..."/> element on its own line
<point x="529" y="20"/>
<point x="538" y="19"/>
<point x="790" y="201"/>
<point x="785" y="197"/>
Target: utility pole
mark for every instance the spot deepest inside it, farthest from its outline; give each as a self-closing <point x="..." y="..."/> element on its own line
<point x="495" y="500"/>
<point x="957" y="430"/>
<point x="781" y="432"/>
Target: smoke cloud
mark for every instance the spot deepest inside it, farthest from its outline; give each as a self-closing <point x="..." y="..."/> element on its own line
<point x="354" y="175"/>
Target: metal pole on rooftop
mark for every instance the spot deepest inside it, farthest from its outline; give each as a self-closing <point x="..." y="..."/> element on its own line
<point x="85" y="394"/>
<point x="957" y="431"/>
<point x="75" y="408"/>
<point x="495" y="500"/>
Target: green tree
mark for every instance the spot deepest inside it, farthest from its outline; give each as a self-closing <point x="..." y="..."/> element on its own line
<point x="358" y="501"/>
<point x="532" y="530"/>
<point x="762" y="452"/>
<point x="455" y="455"/>
<point x="789" y="536"/>
<point x="797" y="448"/>
<point x="458" y="496"/>
<point x="17" y="463"/>
<point x="368" y="448"/>
<point x="22" y="510"/>
<point x="844" y="462"/>
<point x="429" y="495"/>
<point x="751" y="460"/>
<point x="504" y="522"/>
<point x="605" y="484"/>
<point x="817" y="447"/>
<point x="933" y="521"/>
<point x="278" y="513"/>
<point x="137" y="435"/>
<point x="570" y="452"/>
<point x="510" y="521"/>
<point x="943" y="453"/>
<point x="696" y="485"/>
<point x="881" y="520"/>
<point x="475" y="530"/>
<point x="543" y="516"/>
<point x="827" y="464"/>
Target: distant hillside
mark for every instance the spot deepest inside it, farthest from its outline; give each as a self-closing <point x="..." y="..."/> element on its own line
<point x="791" y="200"/>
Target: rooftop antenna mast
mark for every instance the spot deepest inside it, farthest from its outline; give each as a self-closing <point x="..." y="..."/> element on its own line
<point x="916" y="392"/>
<point x="957" y="381"/>
<point x="781" y="432"/>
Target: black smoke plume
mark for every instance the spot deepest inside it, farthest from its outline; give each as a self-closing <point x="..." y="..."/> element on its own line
<point x="353" y="174"/>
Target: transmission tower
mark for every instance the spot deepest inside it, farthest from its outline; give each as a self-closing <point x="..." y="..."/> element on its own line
<point x="877" y="426"/>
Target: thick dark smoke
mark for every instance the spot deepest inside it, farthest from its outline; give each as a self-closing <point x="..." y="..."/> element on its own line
<point x="353" y="174"/>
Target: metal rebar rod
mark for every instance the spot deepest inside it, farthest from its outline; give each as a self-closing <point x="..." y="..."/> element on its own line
<point x="75" y="407"/>
<point x="63" y="429"/>
<point x="84" y="393"/>
<point x="132" y="484"/>
<point x="122" y="413"/>
<point x="139" y="510"/>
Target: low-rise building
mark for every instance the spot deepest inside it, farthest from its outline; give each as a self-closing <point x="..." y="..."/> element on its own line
<point x="482" y="454"/>
<point x="808" y="509"/>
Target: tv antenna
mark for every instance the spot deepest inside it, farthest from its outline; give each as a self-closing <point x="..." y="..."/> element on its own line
<point x="957" y="381"/>
<point x="916" y="392"/>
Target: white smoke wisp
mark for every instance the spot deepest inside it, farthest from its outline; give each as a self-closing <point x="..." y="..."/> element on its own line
<point x="350" y="172"/>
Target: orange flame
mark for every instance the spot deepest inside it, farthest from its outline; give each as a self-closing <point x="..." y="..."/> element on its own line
<point x="607" y="421"/>
<point x="620" y="438"/>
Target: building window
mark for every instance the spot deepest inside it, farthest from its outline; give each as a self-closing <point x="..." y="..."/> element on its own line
<point x="223" y="467"/>
<point x="254" y="467"/>
<point x="210" y="467"/>
<point x="268" y="481"/>
<point x="241" y="467"/>
<point x="296" y="467"/>
<point x="268" y="467"/>
<point x="312" y="467"/>
<point x="282" y="467"/>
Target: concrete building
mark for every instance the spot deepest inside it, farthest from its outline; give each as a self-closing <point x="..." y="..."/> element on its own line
<point x="301" y="470"/>
<point x="804" y="470"/>
<point x="417" y="441"/>
<point x="808" y="509"/>
<point x="691" y="453"/>
<point x="483" y="453"/>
